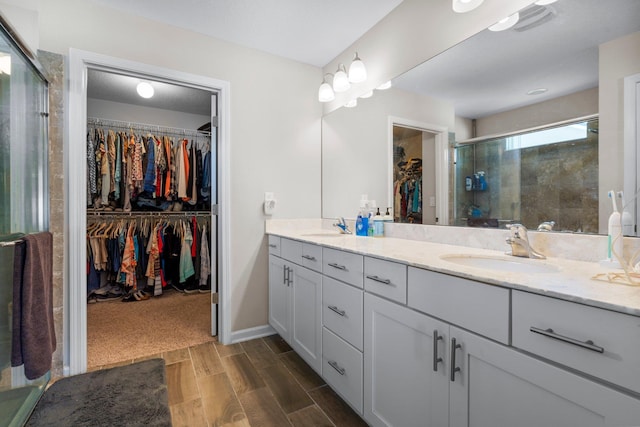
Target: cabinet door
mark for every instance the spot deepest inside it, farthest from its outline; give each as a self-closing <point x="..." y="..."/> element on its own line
<point x="279" y="300"/>
<point x="501" y="387"/>
<point x="306" y="308"/>
<point x="401" y="387"/>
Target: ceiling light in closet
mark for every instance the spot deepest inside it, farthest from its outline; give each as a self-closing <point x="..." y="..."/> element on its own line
<point x="325" y="92"/>
<point x="385" y="85"/>
<point x="506" y="23"/>
<point x="145" y="89"/>
<point x="462" y="6"/>
<point x="341" y="80"/>
<point x="357" y="70"/>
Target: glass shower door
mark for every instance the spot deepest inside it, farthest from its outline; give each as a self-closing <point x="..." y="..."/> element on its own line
<point x="24" y="206"/>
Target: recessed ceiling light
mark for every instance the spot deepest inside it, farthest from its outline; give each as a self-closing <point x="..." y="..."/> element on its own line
<point x="538" y="91"/>
<point x="145" y="90"/>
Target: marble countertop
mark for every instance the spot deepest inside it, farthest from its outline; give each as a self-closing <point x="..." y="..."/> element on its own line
<point x="570" y="280"/>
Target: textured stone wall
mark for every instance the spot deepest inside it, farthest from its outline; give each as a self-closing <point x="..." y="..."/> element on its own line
<point x="54" y="67"/>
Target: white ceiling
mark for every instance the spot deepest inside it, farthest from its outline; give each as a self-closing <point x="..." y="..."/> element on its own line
<point x="492" y="71"/>
<point x="308" y="31"/>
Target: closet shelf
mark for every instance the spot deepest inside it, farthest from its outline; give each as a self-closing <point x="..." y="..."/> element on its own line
<point x="137" y="214"/>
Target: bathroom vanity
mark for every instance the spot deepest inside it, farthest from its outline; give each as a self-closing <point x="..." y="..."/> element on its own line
<point x="413" y="333"/>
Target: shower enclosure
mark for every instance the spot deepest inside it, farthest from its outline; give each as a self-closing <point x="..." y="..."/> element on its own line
<point x="24" y="202"/>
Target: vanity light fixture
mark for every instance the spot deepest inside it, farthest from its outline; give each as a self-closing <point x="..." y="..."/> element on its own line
<point x="325" y="92"/>
<point x="384" y="86"/>
<point x="545" y="2"/>
<point x="341" y="80"/>
<point x="145" y="89"/>
<point x="367" y="95"/>
<point x="357" y="70"/>
<point x="352" y="103"/>
<point x="462" y="6"/>
<point x="506" y="23"/>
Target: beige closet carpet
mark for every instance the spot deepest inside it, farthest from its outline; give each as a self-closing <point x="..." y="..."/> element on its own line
<point x="118" y="331"/>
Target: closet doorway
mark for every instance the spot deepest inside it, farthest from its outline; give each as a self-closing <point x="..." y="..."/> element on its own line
<point x="130" y="194"/>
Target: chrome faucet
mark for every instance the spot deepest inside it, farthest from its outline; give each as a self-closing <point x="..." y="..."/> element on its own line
<point x="342" y="225"/>
<point x="546" y="226"/>
<point x="519" y="242"/>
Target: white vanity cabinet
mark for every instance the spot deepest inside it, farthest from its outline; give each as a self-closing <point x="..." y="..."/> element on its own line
<point x="295" y="296"/>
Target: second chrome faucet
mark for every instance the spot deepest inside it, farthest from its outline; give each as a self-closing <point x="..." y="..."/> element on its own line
<point x="519" y="241"/>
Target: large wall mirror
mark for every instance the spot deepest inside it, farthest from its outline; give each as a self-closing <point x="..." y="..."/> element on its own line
<point x="463" y="109"/>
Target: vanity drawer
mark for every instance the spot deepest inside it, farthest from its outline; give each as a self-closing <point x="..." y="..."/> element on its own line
<point x="386" y="278"/>
<point x="342" y="368"/>
<point x="342" y="310"/>
<point x="312" y="256"/>
<point x="291" y="250"/>
<point x="475" y="306"/>
<point x="602" y="343"/>
<point x="274" y="245"/>
<point x="341" y="265"/>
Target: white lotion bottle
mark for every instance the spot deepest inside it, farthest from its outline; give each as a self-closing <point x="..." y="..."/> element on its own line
<point x="615" y="234"/>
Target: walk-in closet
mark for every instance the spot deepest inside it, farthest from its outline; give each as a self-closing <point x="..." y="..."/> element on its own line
<point x="151" y="232"/>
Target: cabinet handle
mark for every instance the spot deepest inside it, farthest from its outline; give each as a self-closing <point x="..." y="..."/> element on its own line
<point x="335" y="366"/>
<point x="436" y="359"/>
<point x="336" y="310"/>
<point x="271" y="245"/>
<point x="289" y="279"/>
<point x="589" y="345"/>
<point x="284" y="275"/>
<point x="377" y="279"/>
<point x="309" y="257"/>
<point x="338" y="266"/>
<point x="454" y="368"/>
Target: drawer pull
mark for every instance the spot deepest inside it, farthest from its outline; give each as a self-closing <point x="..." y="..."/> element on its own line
<point x="336" y="310"/>
<point x="436" y="359"/>
<point x="272" y="245"/>
<point x="454" y="368"/>
<point x="309" y="257"/>
<point x="338" y="266"/>
<point x="589" y="345"/>
<point x="284" y="277"/>
<point x="335" y="366"/>
<point x="379" y="280"/>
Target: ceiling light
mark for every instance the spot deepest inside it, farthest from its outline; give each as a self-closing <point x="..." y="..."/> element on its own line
<point x="357" y="70"/>
<point x="538" y="91"/>
<point x="462" y="6"/>
<point x="545" y="2"/>
<point x="506" y="23"/>
<point x="352" y="103"/>
<point x="367" y="94"/>
<point x="340" y="80"/>
<point x="385" y="85"/>
<point x="145" y="90"/>
<point x="325" y="92"/>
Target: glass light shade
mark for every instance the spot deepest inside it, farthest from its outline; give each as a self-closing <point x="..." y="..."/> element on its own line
<point x="325" y="93"/>
<point x="352" y="103"/>
<point x="145" y="90"/>
<point x="357" y="70"/>
<point x="385" y="85"/>
<point x="340" y="80"/>
<point x="367" y="95"/>
<point x="506" y="23"/>
<point x="462" y="6"/>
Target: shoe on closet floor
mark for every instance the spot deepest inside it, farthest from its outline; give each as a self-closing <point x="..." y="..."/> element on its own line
<point x="191" y="286"/>
<point x="204" y="289"/>
<point x="178" y="287"/>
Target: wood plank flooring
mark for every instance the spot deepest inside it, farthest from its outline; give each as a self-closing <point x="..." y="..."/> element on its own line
<point x="261" y="382"/>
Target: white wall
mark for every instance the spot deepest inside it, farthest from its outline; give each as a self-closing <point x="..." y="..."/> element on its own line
<point x="618" y="58"/>
<point x="23" y="18"/>
<point x="275" y="124"/>
<point x="103" y="109"/>
<point x="356" y="142"/>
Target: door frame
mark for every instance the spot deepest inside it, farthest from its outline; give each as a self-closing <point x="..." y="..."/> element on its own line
<point x="631" y="137"/>
<point x="75" y="153"/>
<point x="441" y="134"/>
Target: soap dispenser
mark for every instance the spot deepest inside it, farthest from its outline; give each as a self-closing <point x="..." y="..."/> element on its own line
<point x="378" y="224"/>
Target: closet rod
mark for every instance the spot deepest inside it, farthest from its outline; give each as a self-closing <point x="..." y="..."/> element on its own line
<point x="95" y="121"/>
<point x="111" y="214"/>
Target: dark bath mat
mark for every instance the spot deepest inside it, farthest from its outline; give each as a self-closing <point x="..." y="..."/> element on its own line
<point x="131" y="395"/>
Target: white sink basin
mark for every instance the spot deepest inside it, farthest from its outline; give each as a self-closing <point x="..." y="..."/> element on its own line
<point x="507" y="264"/>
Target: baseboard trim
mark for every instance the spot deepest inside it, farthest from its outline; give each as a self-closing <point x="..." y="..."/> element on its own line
<point x="251" y="333"/>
